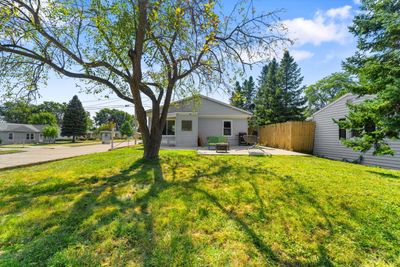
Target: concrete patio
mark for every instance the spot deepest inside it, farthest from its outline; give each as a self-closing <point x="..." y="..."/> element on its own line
<point x="246" y="151"/>
<point x="240" y="151"/>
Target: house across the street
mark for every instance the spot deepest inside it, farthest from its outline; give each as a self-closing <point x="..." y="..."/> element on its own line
<point x="16" y="133"/>
<point x="328" y="135"/>
<point x="191" y="120"/>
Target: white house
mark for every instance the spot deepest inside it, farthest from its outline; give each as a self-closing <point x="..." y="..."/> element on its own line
<point x="195" y="118"/>
<point x="327" y="135"/>
<point x="17" y="133"/>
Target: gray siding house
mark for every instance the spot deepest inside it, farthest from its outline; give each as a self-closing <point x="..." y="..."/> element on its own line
<point x="16" y="133"/>
<point x="327" y="142"/>
<point x="196" y="118"/>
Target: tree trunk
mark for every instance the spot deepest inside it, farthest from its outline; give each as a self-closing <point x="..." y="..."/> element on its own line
<point x="73" y="139"/>
<point x="152" y="145"/>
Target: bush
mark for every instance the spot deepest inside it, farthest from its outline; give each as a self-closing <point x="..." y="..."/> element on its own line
<point x="50" y="132"/>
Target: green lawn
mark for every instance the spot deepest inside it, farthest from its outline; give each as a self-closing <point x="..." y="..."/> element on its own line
<point x="114" y="209"/>
<point x="9" y="151"/>
<point x="57" y="143"/>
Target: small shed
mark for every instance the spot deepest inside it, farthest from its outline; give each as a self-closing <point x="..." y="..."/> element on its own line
<point x="106" y="137"/>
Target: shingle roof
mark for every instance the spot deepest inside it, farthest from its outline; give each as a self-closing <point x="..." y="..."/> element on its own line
<point x="19" y="127"/>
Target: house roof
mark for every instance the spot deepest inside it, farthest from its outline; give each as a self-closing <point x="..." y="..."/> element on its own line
<point x="19" y="127"/>
<point x="330" y="104"/>
<point x="212" y="100"/>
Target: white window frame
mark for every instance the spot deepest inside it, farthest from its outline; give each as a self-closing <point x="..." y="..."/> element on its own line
<point x="12" y="134"/>
<point x="191" y="126"/>
<point x="166" y="127"/>
<point x="223" y="122"/>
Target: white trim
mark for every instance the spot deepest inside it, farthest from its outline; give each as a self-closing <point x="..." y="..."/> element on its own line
<point x="8" y="137"/>
<point x="330" y="104"/>
<point x="223" y="122"/>
<point x="224" y="116"/>
<point x="149" y="111"/>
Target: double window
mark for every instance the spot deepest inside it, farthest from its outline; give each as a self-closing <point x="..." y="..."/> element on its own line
<point x="30" y="136"/>
<point x="227" y="128"/>
<point x="169" y="128"/>
<point x="10" y="136"/>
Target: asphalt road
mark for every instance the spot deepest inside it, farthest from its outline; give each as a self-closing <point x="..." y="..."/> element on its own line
<point x="38" y="154"/>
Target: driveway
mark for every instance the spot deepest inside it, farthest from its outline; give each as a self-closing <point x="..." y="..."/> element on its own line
<point x="40" y="154"/>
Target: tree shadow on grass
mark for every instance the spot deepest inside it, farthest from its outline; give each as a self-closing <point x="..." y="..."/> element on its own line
<point x="385" y="174"/>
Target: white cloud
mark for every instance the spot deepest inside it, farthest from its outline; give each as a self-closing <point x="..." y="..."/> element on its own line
<point x="357" y="2"/>
<point x="301" y="54"/>
<point x="341" y="12"/>
<point x="329" y="26"/>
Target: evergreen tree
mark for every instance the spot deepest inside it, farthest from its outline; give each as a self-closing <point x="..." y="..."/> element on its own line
<point x="376" y="63"/>
<point x="236" y="99"/>
<point x="248" y="92"/>
<point x="74" y="120"/>
<point x="290" y="79"/>
<point x="269" y="100"/>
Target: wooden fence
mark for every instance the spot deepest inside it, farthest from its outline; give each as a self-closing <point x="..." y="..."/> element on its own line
<point x="293" y="135"/>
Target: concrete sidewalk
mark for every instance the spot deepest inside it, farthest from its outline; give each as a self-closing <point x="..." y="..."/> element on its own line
<point x="33" y="155"/>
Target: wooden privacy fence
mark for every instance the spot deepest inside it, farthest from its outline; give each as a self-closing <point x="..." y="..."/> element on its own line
<point x="292" y="135"/>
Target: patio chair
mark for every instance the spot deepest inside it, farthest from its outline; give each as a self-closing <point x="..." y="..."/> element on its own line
<point x="251" y="140"/>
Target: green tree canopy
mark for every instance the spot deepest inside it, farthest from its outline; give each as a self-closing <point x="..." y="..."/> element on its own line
<point x="50" y="132"/>
<point x="45" y="118"/>
<point x="141" y="50"/>
<point x="326" y="90"/>
<point x="58" y="109"/>
<point x="106" y="115"/>
<point x="376" y="64"/>
<point x="126" y="129"/>
<point x="16" y="111"/>
<point x="75" y="119"/>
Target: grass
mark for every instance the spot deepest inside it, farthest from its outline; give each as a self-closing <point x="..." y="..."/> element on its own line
<point x="187" y="210"/>
<point x="57" y="143"/>
<point x="9" y="151"/>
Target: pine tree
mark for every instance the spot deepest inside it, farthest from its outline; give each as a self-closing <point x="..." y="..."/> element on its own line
<point x="269" y="100"/>
<point x="290" y="79"/>
<point x="249" y="91"/>
<point x="74" y="120"/>
<point x="237" y="99"/>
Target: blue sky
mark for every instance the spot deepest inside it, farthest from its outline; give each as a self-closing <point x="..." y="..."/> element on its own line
<point x="319" y="29"/>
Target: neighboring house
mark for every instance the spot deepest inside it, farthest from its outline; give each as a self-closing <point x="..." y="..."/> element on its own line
<point x="327" y="136"/>
<point x="16" y="133"/>
<point x="195" y="118"/>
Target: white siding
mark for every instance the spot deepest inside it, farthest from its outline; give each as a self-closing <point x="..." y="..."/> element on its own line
<point x="327" y="143"/>
<point x="186" y="138"/>
<point x="213" y="127"/>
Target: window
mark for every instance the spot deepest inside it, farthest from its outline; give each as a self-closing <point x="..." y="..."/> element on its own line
<point x="169" y="128"/>
<point x="342" y="132"/>
<point x="32" y="136"/>
<point x="186" y="126"/>
<point x="27" y="136"/>
<point x="227" y="128"/>
<point x="10" y="136"/>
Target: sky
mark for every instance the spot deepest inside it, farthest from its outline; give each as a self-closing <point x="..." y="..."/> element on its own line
<point x="318" y="27"/>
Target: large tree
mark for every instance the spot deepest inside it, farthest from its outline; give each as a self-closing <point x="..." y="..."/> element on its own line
<point x="55" y="108"/>
<point x="326" y="90"/>
<point x="269" y="100"/>
<point x="290" y="80"/>
<point x="137" y="49"/>
<point x="243" y="95"/>
<point x="74" y="120"/>
<point x="16" y="111"/>
<point x="107" y="115"/>
<point x="376" y="63"/>
<point x="45" y="118"/>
